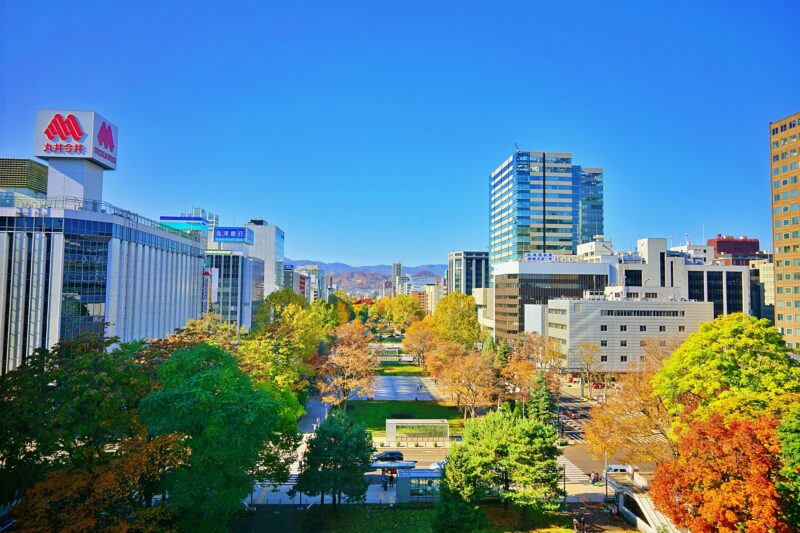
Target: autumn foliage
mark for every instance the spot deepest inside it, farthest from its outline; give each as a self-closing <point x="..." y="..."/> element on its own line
<point x="724" y="478"/>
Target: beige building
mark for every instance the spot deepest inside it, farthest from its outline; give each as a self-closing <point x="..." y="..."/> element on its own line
<point x="785" y="189"/>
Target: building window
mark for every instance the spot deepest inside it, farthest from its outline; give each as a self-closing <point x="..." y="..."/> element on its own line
<point x="623" y="328"/>
<point x="623" y="358"/>
<point x="642" y="328"/>
<point x="603" y="343"/>
<point x="603" y="358"/>
<point x="623" y="343"/>
<point x="662" y="329"/>
<point x="603" y="327"/>
<point x="681" y="328"/>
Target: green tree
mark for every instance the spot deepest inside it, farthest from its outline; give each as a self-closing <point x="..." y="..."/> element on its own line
<point x="226" y="423"/>
<point x="542" y="404"/>
<point x="489" y="347"/>
<point x="502" y="354"/>
<point x="343" y="306"/>
<point x="736" y="365"/>
<point x="456" y="319"/>
<point x="460" y="491"/>
<point x="274" y="304"/>
<point x="335" y="460"/>
<point x="403" y="311"/>
<point x="518" y="455"/>
<point x="789" y="484"/>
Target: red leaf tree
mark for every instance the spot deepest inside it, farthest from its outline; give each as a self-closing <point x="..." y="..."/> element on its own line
<point x="724" y="478"/>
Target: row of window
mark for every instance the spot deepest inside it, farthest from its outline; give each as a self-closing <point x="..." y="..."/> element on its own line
<point x="786" y="181"/>
<point x="783" y="141"/>
<point x="627" y="312"/>
<point x="785" y="208"/>
<point x="795" y="220"/>
<point x="784" y="155"/>
<point x="783" y="127"/>
<point x="784" y="168"/>
<point x="624" y="344"/>
<point x="785" y="195"/>
<point x="623" y="327"/>
<point x="780" y="277"/>
<point x="622" y="358"/>
<point x="788" y="303"/>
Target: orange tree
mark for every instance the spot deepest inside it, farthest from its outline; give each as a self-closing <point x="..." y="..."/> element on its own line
<point x="724" y="478"/>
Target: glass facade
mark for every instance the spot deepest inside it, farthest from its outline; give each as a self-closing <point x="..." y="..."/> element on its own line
<point x="715" y="294"/>
<point x="543" y="202"/>
<point x="697" y="287"/>
<point x="424" y="489"/>
<point x="733" y="289"/>
<point x="412" y="432"/>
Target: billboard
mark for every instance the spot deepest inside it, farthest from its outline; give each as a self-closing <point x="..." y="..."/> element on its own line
<point x="65" y="134"/>
<point x="229" y="234"/>
<point x="538" y="256"/>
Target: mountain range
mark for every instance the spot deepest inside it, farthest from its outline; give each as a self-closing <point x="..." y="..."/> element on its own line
<point x="340" y="268"/>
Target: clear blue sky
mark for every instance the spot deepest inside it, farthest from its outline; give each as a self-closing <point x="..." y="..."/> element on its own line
<point x="367" y="131"/>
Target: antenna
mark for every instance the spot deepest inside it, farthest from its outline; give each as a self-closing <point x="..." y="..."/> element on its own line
<point x="516" y="146"/>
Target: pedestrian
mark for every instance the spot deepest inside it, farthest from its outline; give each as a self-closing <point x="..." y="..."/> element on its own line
<point x="385" y="487"/>
<point x="391" y="480"/>
<point x="583" y="524"/>
<point x="575" y="525"/>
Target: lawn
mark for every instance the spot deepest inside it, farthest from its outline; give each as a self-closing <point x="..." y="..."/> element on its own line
<point x="373" y="413"/>
<point x="349" y="519"/>
<point x="399" y="370"/>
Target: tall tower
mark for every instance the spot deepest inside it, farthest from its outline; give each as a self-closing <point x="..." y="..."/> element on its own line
<point x="784" y="157"/>
<point x="543" y="202"/>
<point x="397" y="270"/>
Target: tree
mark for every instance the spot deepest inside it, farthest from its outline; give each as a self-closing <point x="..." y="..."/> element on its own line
<point x="403" y="311"/>
<point x="589" y="358"/>
<point x="210" y="328"/>
<point x="456" y="319"/>
<point x="226" y="423"/>
<point x="723" y="478"/>
<point x="489" y="347"/>
<point x="737" y="364"/>
<point x="517" y="455"/>
<point x="502" y="354"/>
<point x="274" y="304"/>
<point x="519" y="375"/>
<point x="420" y="338"/>
<point x="789" y="484"/>
<point x="335" y="460"/>
<point x="633" y="420"/>
<point x="342" y="306"/>
<point x="543" y="351"/>
<point x="349" y="368"/>
<point x="471" y="380"/>
<point x="460" y="492"/>
<point x="443" y="355"/>
<point x="542" y="402"/>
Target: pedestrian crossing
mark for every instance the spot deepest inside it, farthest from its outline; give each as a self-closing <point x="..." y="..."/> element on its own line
<point x="572" y="473"/>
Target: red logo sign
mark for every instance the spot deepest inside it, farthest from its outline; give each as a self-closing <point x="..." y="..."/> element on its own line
<point x="105" y="137"/>
<point x="59" y="127"/>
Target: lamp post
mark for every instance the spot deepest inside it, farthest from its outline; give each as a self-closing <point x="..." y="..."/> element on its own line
<point x="605" y="460"/>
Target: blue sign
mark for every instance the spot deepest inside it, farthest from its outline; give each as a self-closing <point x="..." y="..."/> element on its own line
<point x="227" y="234"/>
<point x="538" y="256"/>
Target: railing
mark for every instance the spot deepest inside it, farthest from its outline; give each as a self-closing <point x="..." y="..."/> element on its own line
<point x="10" y="199"/>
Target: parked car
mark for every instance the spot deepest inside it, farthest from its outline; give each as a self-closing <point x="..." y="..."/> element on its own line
<point x="438" y="465"/>
<point x="391" y="455"/>
<point x="598" y="385"/>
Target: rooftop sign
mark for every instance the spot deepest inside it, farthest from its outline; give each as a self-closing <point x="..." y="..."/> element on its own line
<point x="66" y="134"/>
<point x="228" y="234"/>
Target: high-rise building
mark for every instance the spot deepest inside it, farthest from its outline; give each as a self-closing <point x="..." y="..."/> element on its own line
<point x="736" y="250"/>
<point x="316" y="282"/>
<point x="542" y="202"/>
<point x="24" y="176"/>
<point x="468" y="271"/>
<point x="268" y="244"/>
<point x="397" y="270"/>
<point x="785" y="189"/>
<point x="762" y="288"/>
<point x="71" y="263"/>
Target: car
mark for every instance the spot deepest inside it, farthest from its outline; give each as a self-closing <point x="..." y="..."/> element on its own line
<point x="438" y="465"/>
<point x="598" y="385"/>
<point x="391" y="456"/>
<point x="616" y="469"/>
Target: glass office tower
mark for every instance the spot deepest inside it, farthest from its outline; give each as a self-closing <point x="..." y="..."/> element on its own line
<point x="542" y="202"/>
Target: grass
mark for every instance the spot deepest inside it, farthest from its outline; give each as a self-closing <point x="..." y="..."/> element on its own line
<point x="349" y="519"/>
<point x="399" y="370"/>
<point x="373" y="413"/>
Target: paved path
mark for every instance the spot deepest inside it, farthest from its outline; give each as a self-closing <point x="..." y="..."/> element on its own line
<point x="402" y="388"/>
<point x="315" y="413"/>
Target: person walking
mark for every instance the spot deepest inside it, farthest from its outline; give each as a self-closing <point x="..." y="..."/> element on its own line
<point x="575" y="525"/>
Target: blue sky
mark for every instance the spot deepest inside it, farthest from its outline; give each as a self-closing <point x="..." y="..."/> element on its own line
<point x="367" y="131"/>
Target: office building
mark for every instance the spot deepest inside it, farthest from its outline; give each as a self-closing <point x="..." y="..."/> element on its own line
<point x="23" y="176"/>
<point x="237" y="286"/>
<point x="422" y="299"/>
<point x="402" y="285"/>
<point x="692" y="274"/>
<point x="762" y="288"/>
<point x="542" y="202"/>
<point x="297" y="280"/>
<point x="433" y="293"/>
<point x="71" y="263"/>
<point x="470" y="270"/>
<point x="397" y="270"/>
<point x="730" y="250"/>
<point x="268" y="244"/>
<point x="621" y="321"/>
<point x="315" y="282"/>
<point x="785" y="190"/>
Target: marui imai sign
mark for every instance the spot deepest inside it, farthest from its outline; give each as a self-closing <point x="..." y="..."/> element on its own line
<point x="76" y="135"/>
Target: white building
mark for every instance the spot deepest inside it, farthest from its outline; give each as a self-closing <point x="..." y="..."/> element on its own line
<point x="268" y="245"/>
<point x="71" y="263"/>
<point x="620" y="321"/>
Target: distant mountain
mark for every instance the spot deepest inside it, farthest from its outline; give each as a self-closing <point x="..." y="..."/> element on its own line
<point x="338" y="268"/>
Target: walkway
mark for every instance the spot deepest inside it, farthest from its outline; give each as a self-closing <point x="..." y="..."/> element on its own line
<point x="402" y="388"/>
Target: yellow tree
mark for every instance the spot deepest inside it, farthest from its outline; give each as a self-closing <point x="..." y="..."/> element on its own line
<point x="443" y="355"/>
<point x="519" y="375"/>
<point x="544" y="352"/>
<point x="588" y="354"/>
<point x="420" y="338"/>
<point x="633" y="420"/>
<point x="472" y="381"/>
<point x="349" y="368"/>
<point x="456" y="319"/>
<point x="403" y="311"/>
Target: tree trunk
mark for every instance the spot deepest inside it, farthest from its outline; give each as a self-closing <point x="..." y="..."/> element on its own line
<point x="321" y="500"/>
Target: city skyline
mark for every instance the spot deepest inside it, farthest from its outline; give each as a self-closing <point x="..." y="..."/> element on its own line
<point x="412" y="112"/>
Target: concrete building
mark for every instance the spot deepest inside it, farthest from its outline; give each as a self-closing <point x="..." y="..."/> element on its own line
<point x="785" y="191"/>
<point x="468" y="271"/>
<point x="621" y="320"/>
<point x="762" y="288"/>
<point x="730" y="250"/>
<point x="297" y="280"/>
<point x="71" y="263"/>
<point x="543" y="202"/>
<point x="268" y="245"/>
<point x="402" y="285"/>
<point x="422" y="299"/>
<point x="315" y="281"/>
<point x="23" y="176"/>
<point x="484" y="302"/>
<point x="397" y="270"/>
<point x="543" y="277"/>
<point x="238" y="288"/>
